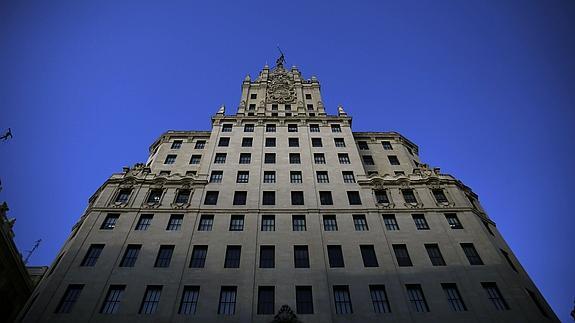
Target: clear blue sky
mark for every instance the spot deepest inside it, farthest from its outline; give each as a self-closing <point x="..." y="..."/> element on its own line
<point x="485" y="88"/>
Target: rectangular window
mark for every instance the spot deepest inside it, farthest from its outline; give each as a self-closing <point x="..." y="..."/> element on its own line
<point x="110" y="222"/>
<point x="453" y="221"/>
<point x="297" y="198"/>
<point x="227" y="305"/>
<point x="247" y="142"/>
<point x="69" y="299"/>
<point x="308" y="96"/>
<point x="342" y="300"/>
<point x="220" y="158"/>
<point x="151" y="300"/>
<point x="381" y="196"/>
<point x="368" y="256"/>
<point x="316" y="142"/>
<point x="237" y="223"/>
<point x="155" y="196"/>
<point x="240" y="197"/>
<point x="233" y="256"/>
<point x="335" y="256"/>
<point x="200" y="144"/>
<point x="248" y="127"/>
<point x="170" y="159"/>
<point x="287" y="107"/>
<point x="439" y="196"/>
<point x="199" y="254"/>
<point x="362" y="145"/>
<point x="339" y="142"/>
<point x="508" y="258"/>
<point x="454" y="298"/>
<point x="176" y="144"/>
<point x="294" y="158"/>
<point x="319" y="158"/>
<point x="183" y="196"/>
<point x="471" y="254"/>
<point x="322" y="177"/>
<point x="348" y="177"/>
<point x="295" y="177"/>
<point x="329" y="222"/>
<point x="92" y="255"/>
<point x="537" y="303"/>
<point x="304" y="300"/>
<point x="270" y="128"/>
<point x="113" y="298"/>
<point x="226" y="127"/>
<point x="368" y="160"/>
<point x="408" y="196"/>
<point x="268" y="223"/>
<point x="313" y="128"/>
<point x="495" y="296"/>
<point x="293" y="142"/>
<point x="211" y="198"/>
<point x="292" y="127"/>
<point x="393" y="160"/>
<point x="270" y="158"/>
<point x="245" y="158"/>
<point x="144" y="222"/>
<point x="325" y="198"/>
<point x="224" y="142"/>
<point x="164" y="256"/>
<point x="267" y="256"/>
<point x="274" y="107"/>
<point x="175" y="222"/>
<point x="189" y="302"/>
<point x="266" y="302"/>
<point x="270" y="142"/>
<point x="343" y="158"/>
<point x="269" y="177"/>
<point x="379" y="299"/>
<point x="131" y="255"/>
<point x="360" y="223"/>
<point x="420" y="221"/>
<point x="335" y="128"/>
<point x="243" y="177"/>
<point x="402" y="255"/>
<point x="310" y="107"/>
<point x="298" y="223"/>
<point x="300" y="257"/>
<point x="353" y="198"/>
<point x="195" y="159"/>
<point x="206" y="222"/>
<point x="386" y="145"/>
<point x="435" y="254"/>
<point x="416" y="298"/>
<point x="390" y="222"/>
<point x="269" y="198"/>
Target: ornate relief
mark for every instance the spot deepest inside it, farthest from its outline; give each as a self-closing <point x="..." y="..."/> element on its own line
<point x="286" y="315"/>
<point x="280" y="86"/>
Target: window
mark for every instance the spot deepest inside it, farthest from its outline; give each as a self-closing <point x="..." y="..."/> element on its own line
<point x="325" y="198"/>
<point x="310" y="107"/>
<point x="313" y="128"/>
<point x="144" y="222"/>
<point x="420" y="222"/>
<point x="266" y="302"/>
<point x="453" y="221"/>
<point x="304" y="300"/>
<point x="435" y="254"/>
<point x="342" y="300"/>
<point x="243" y="177"/>
<point x="329" y="223"/>
<point x="151" y="300"/>
<point x="300" y="257"/>
<point x="249" y="127"/>
<point x="402" y="256"/>
<point x="335" y="128"/>
<point x="322" y="177"/>
<point x="199" y="254"/>
<point x="316" y="142"/>
<point x="293" y="142"/>
<point x="269" y="177"/>
<point x="206" y="222"/>
<point x="224" y="142"/>
<point x="295" y="177"/>
<point x="308" y="96"/>
<point x="170" y="159"/>
<point x="408" y="196"/>
<point x="439" y="196"/>
<point x="270" y="128"/>
<point x="335" y="256"/>
<point x="390" y="222"/>
<point x="353" y="198"/>
<point x="69" y="299"/>
<point x="386" y="145"/>
<point x="220" y="158"/>
<point x="211" y="198"/>
<point x="175" y="222"/>
<point x="292" y="127"/>
<point x="454" y="298"/>
<point x="123" y="195"/>
<point x="176" y="144"/>
<point x="269" y="198"/>
<point x="227" y="127"/>
<point x="298" y="223"/>
<point x="112" y="301"/>
<point x="189" y="301"/>
<point x="268" y="223"/>
<point x="274" y="107"/>
<point x="131" y="255"/>
<point x="379" y="299"/>
<point x="368" y="256"/>
<point x="240" y="197"/>
<point x="348" y="177"/>
<point x="508" y="258"/>
<point x="368" y="160"/>
<point x="200" y="144"/>
<point x="339" y="142"/>
<point x="270" y="158"/>
<point x="183" y="196"/>
<point x="195" y="159"/>
<point x="495" y="296"/>
<point x="155" y="196"/>
<point x="294" y="158"/>
<point x="297" y="198"/>
<point x="164" y="256"/>
<point x="245" y="158"/>
<point x="362" y="145"/>
<point x="319" y="158"/>
<point x="92" y="255"/>
<point x="267" y="256"/>
<point x="393" y="160"/>
<point x="233" y="255"/>
<point x="270" y="142"/>
<point x="381" y="196"/>
<point x="110" y="222"/>
<point x="216" y="176"/>
<point x="227" y="305"/>
<point x="288" y="108"/>
<point x="247" y="142"/>
<point x="416" y="298"/>
<point x="360" y="223"/>
<point x="471" y="254"/>
<point x="343" y="158"/>
<point x="237" y="223"/>
<point x="537" y="303"/>
<point x="253" y="96"/>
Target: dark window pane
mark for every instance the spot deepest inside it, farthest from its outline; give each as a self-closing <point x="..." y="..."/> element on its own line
<point x="69" y="299"/>
<point x="335" y="256"/>
<point x="266" y="302"/>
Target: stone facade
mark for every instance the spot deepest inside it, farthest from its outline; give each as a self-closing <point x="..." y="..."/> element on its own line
<point x="216" y="222"/>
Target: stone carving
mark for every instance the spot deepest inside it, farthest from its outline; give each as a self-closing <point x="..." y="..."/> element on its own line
<point x="137" y="169"/>
<point x="340" y="111"/>
<point x="222" y="109"/>
<point x="280" y="86"/>
<point x="285" y="315"/>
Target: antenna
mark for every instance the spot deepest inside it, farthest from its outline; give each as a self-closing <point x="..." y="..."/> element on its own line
<point x="280" y="61"/>
<point x="30" y="252"/>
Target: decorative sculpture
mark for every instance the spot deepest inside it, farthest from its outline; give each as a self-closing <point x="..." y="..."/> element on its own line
<point x="285" y="315"/>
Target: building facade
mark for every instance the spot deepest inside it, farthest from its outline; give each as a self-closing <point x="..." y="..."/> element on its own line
<point x="282" y="204"/>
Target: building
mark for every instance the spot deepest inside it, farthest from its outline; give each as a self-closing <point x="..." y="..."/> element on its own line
<point x="282" y="204"/>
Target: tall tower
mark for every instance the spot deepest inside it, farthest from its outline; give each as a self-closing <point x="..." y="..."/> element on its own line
<point x="282" y="204"/>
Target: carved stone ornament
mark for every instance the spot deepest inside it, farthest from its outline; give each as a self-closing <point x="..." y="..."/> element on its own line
<point x="285" y="315"/>
<point x="280" y="86"/>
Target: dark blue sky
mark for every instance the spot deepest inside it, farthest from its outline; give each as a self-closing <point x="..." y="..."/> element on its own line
<point x="485" y="88"/>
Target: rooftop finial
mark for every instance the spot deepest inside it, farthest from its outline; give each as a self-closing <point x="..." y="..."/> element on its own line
<point x="280" y="61"/>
